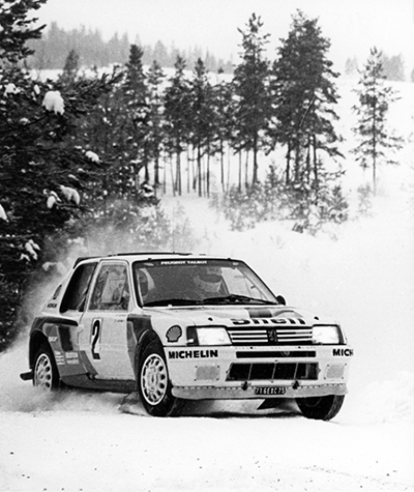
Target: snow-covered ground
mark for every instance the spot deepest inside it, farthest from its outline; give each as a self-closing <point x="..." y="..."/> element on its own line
<point x="82" y="441"/>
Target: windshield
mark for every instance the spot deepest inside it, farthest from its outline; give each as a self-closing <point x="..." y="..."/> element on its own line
<point x="189" y="281"/>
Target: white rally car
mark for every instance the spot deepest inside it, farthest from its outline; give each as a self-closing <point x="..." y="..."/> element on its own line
<point x="178" y="327"/>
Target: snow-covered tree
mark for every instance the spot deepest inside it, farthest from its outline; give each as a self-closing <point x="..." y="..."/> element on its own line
<point x="224" y="119"/>
<point x="252" y="98"/>
<point x="176" y="117"/>
<point x="201" y="120"/>
<point x="71" y="67"/>
<point x="305" y="97"/>
<point x="375" y="95"/>
<point x="155" y="78"/>
<point x="42" y="173"/>
<point x="137" y="113"/>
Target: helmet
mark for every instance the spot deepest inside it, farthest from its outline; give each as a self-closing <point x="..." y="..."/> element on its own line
<point x="208" y="279"/>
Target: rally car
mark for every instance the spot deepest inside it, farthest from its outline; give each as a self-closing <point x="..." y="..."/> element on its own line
<point x="177" y="327"/>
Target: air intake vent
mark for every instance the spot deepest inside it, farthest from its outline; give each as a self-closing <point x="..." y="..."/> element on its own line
<point x="277" y="371"/>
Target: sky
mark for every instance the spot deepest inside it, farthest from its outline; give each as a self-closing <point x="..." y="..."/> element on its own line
<point x="353" y="26"/>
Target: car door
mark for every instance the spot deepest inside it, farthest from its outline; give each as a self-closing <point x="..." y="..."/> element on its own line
<point x="104" y="324"/>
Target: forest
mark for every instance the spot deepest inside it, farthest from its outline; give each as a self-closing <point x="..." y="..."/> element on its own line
<point x="92" y="152"/>
<point x="51" y="50"/>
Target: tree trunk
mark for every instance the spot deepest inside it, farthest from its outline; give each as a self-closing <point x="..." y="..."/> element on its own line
<point x="315" y="161"/>
<point x="222" y="164"/>
<point x="288" y="164"/>
<point x="255" y="163"/>
<point x="246" y="171"/>
<point x="178" y="172"/>
<point x="200" y="174"/>
<point x="240" y="170"/>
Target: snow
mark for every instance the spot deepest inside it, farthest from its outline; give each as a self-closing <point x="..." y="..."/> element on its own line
<point x="31" y="247"/>
<point x="10" y="89"/>
<point x="53" y="102"/>
<point x="92" y="156"/>
<point x="361" y="273"/>
<point x="3" y="214"/>
<point x="70" y="194"/>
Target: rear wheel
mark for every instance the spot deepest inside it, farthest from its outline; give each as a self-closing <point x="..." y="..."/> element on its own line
<point x="320" y="407"/>
<point x="154" y="386"/>
<point x="45" y="372"/>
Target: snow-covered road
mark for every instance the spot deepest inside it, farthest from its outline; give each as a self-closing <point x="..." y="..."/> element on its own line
<point x="83" y="442"/>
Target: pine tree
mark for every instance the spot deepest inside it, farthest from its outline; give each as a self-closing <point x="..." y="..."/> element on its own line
<point x="201" y="120"/>
<point x="393" y="67"/>
<point x="252" y="98"/>
<point x="176" y="116"/>
<point x="17" y="29"/>
<point x="304" y="95"/>
<point x="71" y="67"/>
<point x="42" y="174"/>
<point x="155" y="79"/>
<point x="224" y="119"/>
<point x="374" y="100"/>
<point x="136" y="99"/>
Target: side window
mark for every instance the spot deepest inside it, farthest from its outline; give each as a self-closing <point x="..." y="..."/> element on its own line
<point x="75" y="295"/>
<point x="111" y="291"/>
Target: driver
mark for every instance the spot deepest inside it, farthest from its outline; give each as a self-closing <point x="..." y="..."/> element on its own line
<point x="208" y="280"/>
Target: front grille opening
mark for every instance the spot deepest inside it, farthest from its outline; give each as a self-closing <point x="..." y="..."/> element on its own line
<point x="276" y="371"/>
<point x="285" y="371"/>
<point x="262" y="371"/>
<point x="239" y="372"/>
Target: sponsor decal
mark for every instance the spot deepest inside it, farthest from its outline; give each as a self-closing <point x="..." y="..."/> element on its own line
<point x="270" y="390"/>
<point x="193" y="354"/>
<point x="52" y="339"/>
<point x="72" y="355"/>
<point x="52" y="305"/>
<point x="60" y="360"/>
<point x="268" y="321"/>
<point x="343" y="352"/>
<point x="174" y="334"/>
<point x="72" y="362"/>
<point x="184" y="262"/>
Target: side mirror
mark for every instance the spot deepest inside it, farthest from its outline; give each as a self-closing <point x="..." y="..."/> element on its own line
<point x="281" y="300"/>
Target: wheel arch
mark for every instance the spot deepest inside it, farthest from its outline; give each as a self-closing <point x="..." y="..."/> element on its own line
<point x="36" y="341"/>
<point x="149" y="336"/>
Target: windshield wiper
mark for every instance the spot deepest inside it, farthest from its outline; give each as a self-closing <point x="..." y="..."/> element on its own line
<point x="172" y="302"/>
<point x="236" y="299"/>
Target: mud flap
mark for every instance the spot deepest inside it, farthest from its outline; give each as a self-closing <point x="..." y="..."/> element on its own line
<point x="27" y="376"/>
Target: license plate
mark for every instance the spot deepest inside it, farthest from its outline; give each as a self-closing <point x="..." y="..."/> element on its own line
<point x="270" y="390"/>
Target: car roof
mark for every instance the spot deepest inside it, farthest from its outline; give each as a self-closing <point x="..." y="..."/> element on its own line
<point x="142" y="256"/>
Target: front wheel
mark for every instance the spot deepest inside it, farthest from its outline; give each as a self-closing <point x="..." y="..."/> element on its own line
<point x="320" y="407"/>
<point x="45" y="372"/>
<point x="154" y="386"/>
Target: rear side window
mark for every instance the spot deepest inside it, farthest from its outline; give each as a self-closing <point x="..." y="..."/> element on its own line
<point x="77" y="290"/>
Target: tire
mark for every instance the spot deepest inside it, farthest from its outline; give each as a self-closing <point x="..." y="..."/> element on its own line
<point x="45" y="371"/>
<point x="154" y="386"/>
<point x="320" y="408"/>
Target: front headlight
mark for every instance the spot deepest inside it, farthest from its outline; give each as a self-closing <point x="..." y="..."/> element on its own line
<point x="327" y="335"/>
<point x="215" y="335"/>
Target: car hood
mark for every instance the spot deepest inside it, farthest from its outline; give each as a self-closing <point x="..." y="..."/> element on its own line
<point x="240" y="315"/>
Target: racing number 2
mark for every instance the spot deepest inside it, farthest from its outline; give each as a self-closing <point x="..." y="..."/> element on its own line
<point x="96" y="331"/>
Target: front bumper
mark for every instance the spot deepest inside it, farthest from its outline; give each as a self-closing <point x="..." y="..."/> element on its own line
<point x="253" y="373"/>
<point x="250" y="391"/>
